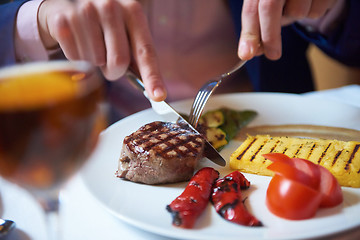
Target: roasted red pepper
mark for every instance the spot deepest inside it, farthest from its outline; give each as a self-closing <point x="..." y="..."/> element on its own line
<point x="227" y="200"/>
<point x="187" y="207"/>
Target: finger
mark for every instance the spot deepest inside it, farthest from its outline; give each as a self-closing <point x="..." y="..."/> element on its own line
<point x="94" y="35"/>
<point x="270" y="14"/>
<point x="79" y="35"/>
<point x="320" y="7"/>
<point x="144" y="51"/>
<point x="60" y="29"/>
<point x="295" y="9"/>
<point x="115" y="38"/>
<point x="250" y="39"/>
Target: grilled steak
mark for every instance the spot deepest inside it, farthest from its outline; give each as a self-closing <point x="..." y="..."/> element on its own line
<point x="160" y="152"/>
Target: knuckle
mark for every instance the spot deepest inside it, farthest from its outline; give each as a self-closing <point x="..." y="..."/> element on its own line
<point x="87" y="9"/>
<point x="134" y="7"/>
<point x="119" y="60"/>
<point x="71" y="16"/>
<point x="107" y="6"/>
<point x="267" y="6"/>
<point x="109" y="10"/>
<point x="146" y="51"/>
<point x="250" y="36"/>
<point x="60" y="26"/>
<point x="60" y="21"/>
<point x="154" y="77"/>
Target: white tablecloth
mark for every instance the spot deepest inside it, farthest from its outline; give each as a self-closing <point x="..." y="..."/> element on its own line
<point x="84" y="218"/>
<point x="349" y="94"/>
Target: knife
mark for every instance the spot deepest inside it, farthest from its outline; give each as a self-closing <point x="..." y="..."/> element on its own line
<point x="171" y="114"/>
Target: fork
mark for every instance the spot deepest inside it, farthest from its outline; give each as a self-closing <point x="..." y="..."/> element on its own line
<point x="205" y="92"/>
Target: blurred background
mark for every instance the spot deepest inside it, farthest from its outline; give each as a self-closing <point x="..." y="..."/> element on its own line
<point x="329" y="73"/>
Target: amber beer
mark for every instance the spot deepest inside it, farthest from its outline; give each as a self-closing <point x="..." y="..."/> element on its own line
<point x="49" y="121"/>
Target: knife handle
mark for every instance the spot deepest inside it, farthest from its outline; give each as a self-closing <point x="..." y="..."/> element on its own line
<point x="135" y="80"/>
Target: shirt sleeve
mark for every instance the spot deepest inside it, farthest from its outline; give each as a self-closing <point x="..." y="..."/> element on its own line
<point x="8" y="13"/>
<point x="28" y="44"/>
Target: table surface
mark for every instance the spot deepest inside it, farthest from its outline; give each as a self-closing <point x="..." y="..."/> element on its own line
<point x="82" y="215"/>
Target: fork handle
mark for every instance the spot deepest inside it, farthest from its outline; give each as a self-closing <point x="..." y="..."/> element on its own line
<point x="234" y="69"/>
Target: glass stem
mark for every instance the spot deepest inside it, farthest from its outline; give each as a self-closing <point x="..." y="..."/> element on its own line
<point x="51" y="206"/>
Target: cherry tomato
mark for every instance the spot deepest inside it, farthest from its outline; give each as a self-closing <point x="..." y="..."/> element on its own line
<point x="291" y="199"/>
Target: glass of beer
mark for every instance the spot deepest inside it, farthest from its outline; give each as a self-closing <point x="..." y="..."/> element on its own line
<point x="51" y="114"/>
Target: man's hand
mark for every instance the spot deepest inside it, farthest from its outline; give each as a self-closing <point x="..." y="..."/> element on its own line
<point x="107" y="33"/>
<point x="262" y="21"/>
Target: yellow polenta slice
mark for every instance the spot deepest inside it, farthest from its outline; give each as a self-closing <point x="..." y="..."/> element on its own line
<point x="341" y="158"/>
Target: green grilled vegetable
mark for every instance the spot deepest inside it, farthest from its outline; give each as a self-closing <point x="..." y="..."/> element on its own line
<point x="213" y="118"/>
<point x="221" y="125"/>
<point x="216" y="137"/>
<point x="235" y="121"/>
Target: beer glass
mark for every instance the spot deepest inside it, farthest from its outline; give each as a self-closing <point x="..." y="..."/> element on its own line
<point x="51" y="114"/>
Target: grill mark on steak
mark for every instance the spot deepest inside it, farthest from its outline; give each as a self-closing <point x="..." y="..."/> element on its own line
<point x="168" y="141"/>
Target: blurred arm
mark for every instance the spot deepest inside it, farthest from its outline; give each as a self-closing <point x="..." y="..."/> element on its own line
<point x="28" y="44"/>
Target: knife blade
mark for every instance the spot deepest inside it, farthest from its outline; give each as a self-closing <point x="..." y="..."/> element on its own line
<point x="169" y="113"/>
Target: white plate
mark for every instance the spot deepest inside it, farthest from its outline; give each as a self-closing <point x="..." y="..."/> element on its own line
<point x="144" y="205"/>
